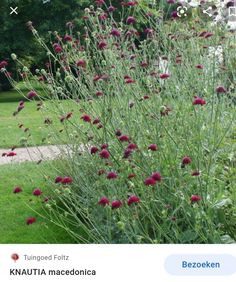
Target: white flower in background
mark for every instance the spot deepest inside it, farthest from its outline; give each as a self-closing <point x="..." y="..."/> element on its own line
<point x="214" y="59"/>
<point x="163" y="65"/>
<point x="193" y="3"/>
<point x="231" y="25"/>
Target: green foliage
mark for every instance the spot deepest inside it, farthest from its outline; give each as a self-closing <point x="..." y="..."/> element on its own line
<point x="16" y="36"/>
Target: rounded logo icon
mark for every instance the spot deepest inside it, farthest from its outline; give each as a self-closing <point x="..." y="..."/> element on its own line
<point x="15" y="257"/>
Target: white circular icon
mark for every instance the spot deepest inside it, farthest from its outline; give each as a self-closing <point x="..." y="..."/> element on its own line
<point x="182" y="11"/>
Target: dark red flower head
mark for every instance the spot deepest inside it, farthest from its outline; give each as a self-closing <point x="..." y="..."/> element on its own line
<point x="152" y="147"/>
<point x="133" y="199"/>
<point x="31" y="94"/>
<point x="57" y="48"/>
<point x="3" y="64"/>
<point x="17" y="190"/>
<point x="104" y="146"/>
<point x="131" y="20"/>
<point x="132" y="146"/>
<point x="118" y="132"/>
<point x="104" y="154"/>
<point x="124" y="138"/>
<point x="116" y="204"/>
<point x="186" y="160"/>
<point x="37" y="192"/>
<point x="99" y="93"/>
<point x="86" y="118"/>
<point x="104" y="201"/>
<point x="11" y="154"/>
<point x="164" y="75"/>
<point x="199" y="101"/>
<point x="195" y="173"/>
<point x="93" y="150"/>
<point x="150" y="181"/>
<point x="81" y="63"/>
<point x="156" y="176"/>
<point x="112" y="175"/>
<point x="127" y="153"/>
<point x="96" y="121"/>
<point x="115" y="32"/>
<point x="68" y="38"/>
<point x="221" y="89"/>
<point x="67" y="180"/>
<point x="111" y="9"/>
<point x="195" y="198"/>
<point x="199" y="67"/>
<point x="102" y="45"/>
<point x="30" y="220"/>
<point x="58" y="179"/>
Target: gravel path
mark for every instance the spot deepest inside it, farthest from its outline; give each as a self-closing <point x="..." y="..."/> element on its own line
<point x="31" y="154"/>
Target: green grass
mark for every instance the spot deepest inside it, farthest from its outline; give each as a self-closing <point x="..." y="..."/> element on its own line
<point x="16" y="208"/>
<point x="39" y="133"/>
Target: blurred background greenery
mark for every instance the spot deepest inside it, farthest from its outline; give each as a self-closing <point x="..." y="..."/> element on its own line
<point x="16" y="37"/>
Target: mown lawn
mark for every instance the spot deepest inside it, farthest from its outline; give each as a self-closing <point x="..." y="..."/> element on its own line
<point x="28" y="127"/>
<point x="16" y="208"/>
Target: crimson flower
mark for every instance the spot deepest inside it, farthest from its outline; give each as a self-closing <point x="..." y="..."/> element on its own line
<point x="67" y="180"/>
<point x="150" y="181"/>
<point x="86" y="118"/>
<point x="58" y="179"/>
<point x="81" y="63"/>
<point x="148" y="30"/>
<point x="30" y="220"/>
<point x="99" y="93"/>
<point x="31" y="94"/>
<point x="195" y="173"/>
<point x="195" y="198"/>
<point x="104" y="154"/>
<point x="130" y="3"/>
<point x="93" y="150"/>
<point x="111" y="9"/>
<point x="115" y="32"/>
<point x="118" y="132"/>
<point x="37" y="192"/>
<point x="116" y="204"/>
<point x="174" y="14"/>
<point x="17" y="190"/>
<point x="132" y="146"/>
<point x="3" y="64"/>
<point x="199" y="101"/>
<point x="156" y="176"/>
<point x="199" y="67"/>
<point x="68" y="38"/>
<point x="129" y="81"/>
<point x="112" y="175"/>
<point x="104" y="146"/>
<point x="102" y="45"/>
<point x="164" y="75"/>
<point x="96" y="121"/>
<point x="152" y="147"/>
<point x="100" y="2"/>
<point x="11" y="154"/>
<point x="221" y="89"/>
<point x="133" y="199"/>
<point x="186" y="160"/>
<point x="57" y="48"/>
<point x="124" y="138"/>
<point x="104" y="201"/>
<point x="127" y="153"/>
<point x="131" y="20"/>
